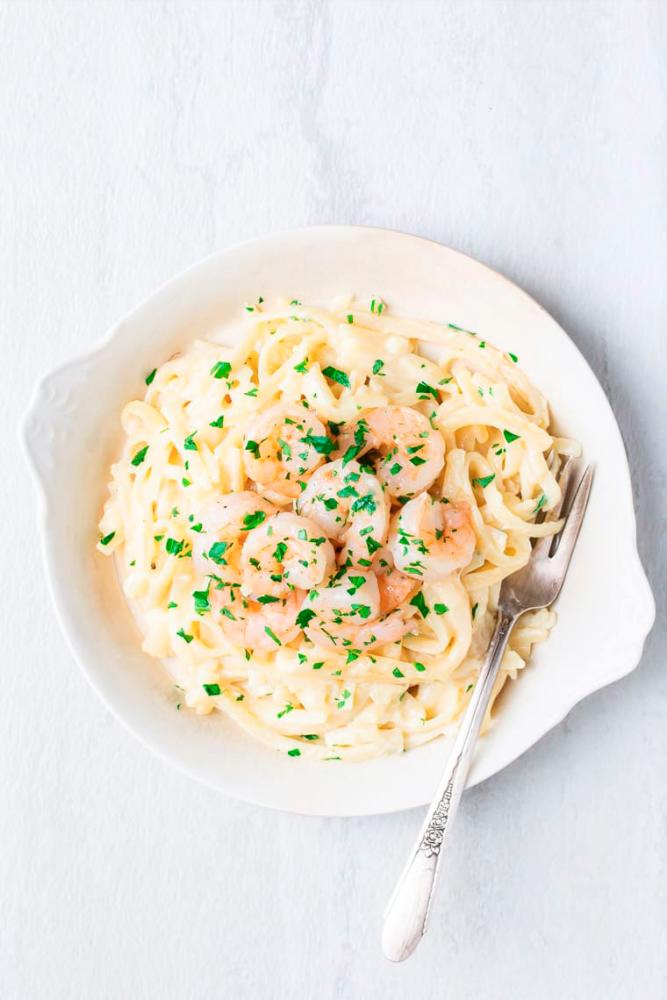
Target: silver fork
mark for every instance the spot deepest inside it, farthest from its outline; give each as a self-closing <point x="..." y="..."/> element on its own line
<point x="537" y="585"/>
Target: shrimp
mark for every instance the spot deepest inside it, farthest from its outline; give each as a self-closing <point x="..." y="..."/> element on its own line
<point x="282" y="446"/>
<point x="429" y="539"/>
<point x="225" y="522"/>
<point x="395" y="589"/>
<point x="411" y="452"/>
<point x="285" y="552"/>
<point x="346" y="613"/>
<point x="251" y="625"/>
<point x="350" y="506"/>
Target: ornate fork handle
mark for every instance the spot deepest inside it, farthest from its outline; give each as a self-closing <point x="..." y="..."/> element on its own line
<point x="406" y="916"/>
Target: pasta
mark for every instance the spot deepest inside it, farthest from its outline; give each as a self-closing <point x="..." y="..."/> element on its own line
<point x="312" y="522"/>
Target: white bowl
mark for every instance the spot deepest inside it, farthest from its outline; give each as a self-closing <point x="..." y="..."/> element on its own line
<point x="72" y="432"/>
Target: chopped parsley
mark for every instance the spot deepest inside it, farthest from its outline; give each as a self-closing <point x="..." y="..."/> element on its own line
<point x="397" y="673"/>
<point x="107" y="538"/>
<point x="280" y="551"/>
<point x="538" y="506"/>
<point x="149" y="378"/>
<point x="201" y="601"/>
<point x="419" y="667"/>
<point x="140" y="456"/>
<point x="419" y="602"/>
<point x="424" y="390"/>
<point x="253" y="447"/>
<point x="336" y="375"/>
<point x="304" y="617"/>
<point x="268" y="599"/>
<point x="211" y="689"/>
<point x="320" y="442"/>
<point x="302" y="367"/>
<point x="184" y="635"/>
<point x="440" y="609"/>
<point x="251" y="521"/>
<point x="484" y="481"/>
<point x="272" y="635"/>
<point x="474" y="611"/>
<point x="173" y="546"/>
<point x="217" y="552"/>
<point x="378" y="366"/>
<point x="295" y="752"/>
<point x="190" y="444"/>
<point x="218" y="422"/>
<point x="221" y="369"/>
<point x="509" y="437"/>
<point x="350" y="318"/>
<point x="512" y="356"/>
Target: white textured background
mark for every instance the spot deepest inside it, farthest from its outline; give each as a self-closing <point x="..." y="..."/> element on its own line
<point x="137" y="137"/>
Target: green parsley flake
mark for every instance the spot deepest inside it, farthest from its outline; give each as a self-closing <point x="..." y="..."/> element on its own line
<point x="397" y="673"/>
<point x="252" y="447"/>
<point x="173" y="546"/>
<point x="184" y="635"/>
<point x="509" y="437"/>
<point x="268" y="599"/>
<point x="201" y="601"/>
<point x="310" y="736"/>
<point x="211" y="689"/>
<point x="419" y="667"/>
<point x="221" y="369"/>
<point x="251" y="521"/>
<point x="107" y="538"/>
<point x="149" y="378"/>
<point x="378" y="366"/>
<point x="295" y="752"/>
<point x="513" y="357"/>
<point x="217" y="552"/>
<point x="302" y="367"/>
<point x="321" y="443"/>
<point x="272" y="635"/>
<point x="190" y="444"/>
<point x="140" y="456"/>
<point x="350" y="318"/>
<point x="218" y="422"/>
<point x="484" y="481"/>
<point x="304" y="617"/>
<point x="336" y="375"/>
<point x="440" y="609"/>
<point x="538" y="506"/>
<point x="425" y="390"/>
<point x="474" y="611"/>
<point x="419" y="602"/>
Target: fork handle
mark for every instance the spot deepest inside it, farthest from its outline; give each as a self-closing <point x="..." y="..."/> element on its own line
<point x="407" y="913"/>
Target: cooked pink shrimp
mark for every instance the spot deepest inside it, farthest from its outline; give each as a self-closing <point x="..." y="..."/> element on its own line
<point x="346" y="613"/>
<point x="429" y="539"/>
<point x="350" y="506"/>
<point x="285" y="552"/>
<point x="225" y="522"/>
<point x="412" y="453"/>
<point x="282" y="446"/>
<point x="251" y="625"/>
<point x="395" y="589"/>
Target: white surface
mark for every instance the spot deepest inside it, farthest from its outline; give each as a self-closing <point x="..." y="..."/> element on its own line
<point x="72" y="433"/>
<point x="136" y="138"/>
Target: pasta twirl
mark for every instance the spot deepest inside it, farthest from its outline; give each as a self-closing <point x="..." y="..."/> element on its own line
<point x="312" y="523"/>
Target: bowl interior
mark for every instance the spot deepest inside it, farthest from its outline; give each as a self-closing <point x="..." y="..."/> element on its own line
<point x="72" y="434"/>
